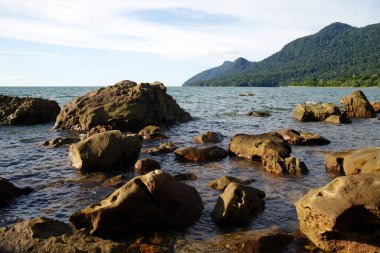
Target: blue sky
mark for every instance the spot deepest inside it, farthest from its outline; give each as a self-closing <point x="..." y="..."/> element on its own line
<point x="100" y="42"/>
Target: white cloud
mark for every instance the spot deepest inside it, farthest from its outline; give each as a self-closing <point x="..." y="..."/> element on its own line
<point x="261" y="27"/>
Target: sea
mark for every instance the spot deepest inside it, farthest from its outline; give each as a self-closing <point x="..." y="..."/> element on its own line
<point x="60" y="190"/>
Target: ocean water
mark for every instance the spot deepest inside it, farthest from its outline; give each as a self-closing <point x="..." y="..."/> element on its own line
<point x="59" y="189"/>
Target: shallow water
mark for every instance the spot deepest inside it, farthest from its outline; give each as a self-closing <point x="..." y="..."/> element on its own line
<point x="60" y="189"/>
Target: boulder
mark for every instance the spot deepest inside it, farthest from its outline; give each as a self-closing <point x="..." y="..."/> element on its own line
<point x="251" y="241"/>
<point x="60" y="141"/>
<point x="358" y="106"/>
<point x="105" y="150"/>
<point x="344" y="215"/>
<point x="43" y="235"/>
<point x="209" y="137"/>
<point x="221" y="183"/>
<point x="259" y="114"/>
<point x="351" y="162"/>
<point x="146" y="165"/>
<point x="376" y="106"/>
<point x="338" y="119"/>
<point x="125" y="106"/>
<point x="27" y="111"/>
<point x="280" y="166"/>
<point x="315" y="112"/>
<point x="186" y="176"/>
<point x="8" y="192"/>
<point x="302" y="138"/>
<point x="201" y="153"/>
<point x="155" y="199"/>
<point x="152" y="133"/>
<point x="164" y="148"/>
<point x="237" y="204"/>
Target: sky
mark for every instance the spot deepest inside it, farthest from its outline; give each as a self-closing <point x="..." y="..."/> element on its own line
<point x="100" y="42"/>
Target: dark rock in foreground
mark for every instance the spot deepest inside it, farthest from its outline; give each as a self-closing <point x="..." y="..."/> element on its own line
<point x="43" y="235"/>
<point x="60" y="141"/>
<point x="319" y="112"/>
<point x="358" y="106"/>
<point x="125" y="106"/>
<point x="254" y="241"/>
<point x="302" y="138"/>
<point x="201" y="153"/>
<point x="344" y="215"/>
<point x="27" y="111"/>
<point x="8" y="192"/>
<point x="102" y="151"/>
<point x="153" y="200"/>
<point x="237" y="204"/>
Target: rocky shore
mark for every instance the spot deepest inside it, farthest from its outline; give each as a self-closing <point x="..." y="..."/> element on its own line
<point x="113" y="124"/>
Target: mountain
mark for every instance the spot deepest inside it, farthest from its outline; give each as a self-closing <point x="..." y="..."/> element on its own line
<point x="337" y="51"/>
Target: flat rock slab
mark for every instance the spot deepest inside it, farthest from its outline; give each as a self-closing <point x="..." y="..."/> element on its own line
<point x="27" y="111"/>
<point x="344" y="215"/>
<point x="201" y="153"/>
<point x="302" y="138"/>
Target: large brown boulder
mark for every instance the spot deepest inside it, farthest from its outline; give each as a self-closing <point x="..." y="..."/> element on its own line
<point x="251" y="241"/>
<point x="315" y="112"/>
<point x="209" y="137"/>
<point x="237" y="204"/>
<point x="351" y="162"/>
<point x="9" y="191"/>
<point x="153" y="200"/>
<point x="344" y="215"/>
<point x="125" y="106"/>
<point x="104" y="150"/>
<point x="358" y="106"/>
<point x="28" y="111"/>
<point x="201" y="153"/>
<point x="302" y="138"/>
<point x="43" y="235"/>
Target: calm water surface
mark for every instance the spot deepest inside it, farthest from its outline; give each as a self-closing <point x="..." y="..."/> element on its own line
<point x="60" y="189"/>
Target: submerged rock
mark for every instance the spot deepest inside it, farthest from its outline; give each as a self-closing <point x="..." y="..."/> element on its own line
<point x="351" y="162"/>
<point x="237" y="204"/>
<point x="376" y="106"/>
<point x="27" y="111"/>
<point x="102" y="151"/>
<point x="344" y="215"/>
<point x="248" y="94"/>
<point x="125" y="106"/>
<point x="318" y="112"/>
<point x="60" y="141"/>
<point x="43" y="235"/>
<point x="259" y="114"/>
<point x="302" y="138"/>
<point x="253" y="241"/>
<point x="146" y="165"/>
<point x="153" y="200"/>
<point x="186" y="176"/>
<point x="116" y="181"/>
<point x="164" y="148"/>
<point x="8" y="192"/>
<point x="358" y="106"/>
<point x="209" y="137"/>
<point x="152" y="133"/>
<point x="221" y="183"/>
<point x="338" y="119"/>
<point x="201" y="153"/>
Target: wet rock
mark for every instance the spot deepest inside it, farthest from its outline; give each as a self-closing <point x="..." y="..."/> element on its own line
<point x="344" y="215"/>
<point x="201" y="153"/>
<point x="60" y="141"/>
<point x="280" y="166"/>
<point x="104" y="150"/>
<point x="338" y="119"/>
<point x="358" y="106"/>
<point x="351" y="162"/>
<point x="116" y="181"/>
<point x="259" y="114"/>
<point x="248" y="94"/>
<point x="27" y="111"/>
<point x="186" y="176"/>
<point x="253" y="241"/>
<point x="221" y="183"/>
<point x="237" y="204"/>
<point x="155" y="199"/>
<point x="43" y="235"/>
<point x="8" y="192"/>
<point x="125" y="106"/>
<point x="376" y="106"/>
<point x="164" y="148"/>
<point x="302" y="138"/>
<point x="152" y="133"/>
<point x="146" y="165"/>
<point x="209" y="137"/>
<point x="315" y="112"/>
